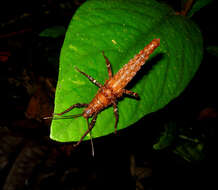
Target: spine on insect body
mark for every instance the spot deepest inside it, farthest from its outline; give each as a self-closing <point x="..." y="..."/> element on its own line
<point x="128" y="71"/>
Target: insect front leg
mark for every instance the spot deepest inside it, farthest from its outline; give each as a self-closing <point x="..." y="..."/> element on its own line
<point x="128" y="92"/>
<point x="116" y="116"/>
<point x="90" y="126"/>
<point x="90" y="78"/>
<point x="108" y="64"/>
<point x="79" y="105"/>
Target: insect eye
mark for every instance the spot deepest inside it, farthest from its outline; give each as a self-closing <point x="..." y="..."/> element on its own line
<point x="88" y="111"/>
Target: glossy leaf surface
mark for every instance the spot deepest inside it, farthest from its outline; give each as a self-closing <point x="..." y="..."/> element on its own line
<point x="53" y="32"/>
<point x="122" y="28"/>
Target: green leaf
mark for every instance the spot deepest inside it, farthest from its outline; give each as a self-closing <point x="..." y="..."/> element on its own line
<point x="167" y="137"/>
<point x="181" y="141"/>
<point x="53" y="32"/>
<point x="190" y="151"/>
<point x="121" y="28"/>
<point x="213" y="50"/>
<point x="197" y="6"/>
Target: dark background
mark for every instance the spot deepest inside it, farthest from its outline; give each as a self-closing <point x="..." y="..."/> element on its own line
<point x="28" y="76"/>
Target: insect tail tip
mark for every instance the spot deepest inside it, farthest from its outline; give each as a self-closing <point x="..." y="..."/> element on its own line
<point x="157" y="40"/>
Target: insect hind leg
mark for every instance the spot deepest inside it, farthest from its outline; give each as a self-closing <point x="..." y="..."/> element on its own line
<point x="116" y="116"/>
<point x="128" y="92"/>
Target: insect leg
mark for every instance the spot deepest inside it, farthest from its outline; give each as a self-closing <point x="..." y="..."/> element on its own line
<point x="116" y="116"/>
<point x="79" y="105"/>
<point x="91" y="125"/>
<point x="128" y="92"/>
<point x="90" y="78"/>
<point x="108" y="64"/>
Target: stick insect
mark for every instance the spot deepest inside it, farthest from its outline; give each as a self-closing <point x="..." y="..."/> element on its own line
<point x="112" y="89"/>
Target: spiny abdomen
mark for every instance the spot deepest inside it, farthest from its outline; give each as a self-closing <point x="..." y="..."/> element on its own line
<point x="128" y="71"/>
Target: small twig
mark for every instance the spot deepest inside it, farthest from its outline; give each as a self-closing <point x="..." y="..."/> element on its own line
<point x="4" y="56"/>
<point x="187" y="7"/>
<point x="50" y="85"/>
<point x="15" y="33"/>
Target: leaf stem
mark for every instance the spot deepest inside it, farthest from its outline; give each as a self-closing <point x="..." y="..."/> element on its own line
<point x="187" y="6"/>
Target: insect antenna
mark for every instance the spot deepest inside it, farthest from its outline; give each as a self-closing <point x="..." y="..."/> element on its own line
<point x="92" y="145"/>
<point x="54" y="116"/>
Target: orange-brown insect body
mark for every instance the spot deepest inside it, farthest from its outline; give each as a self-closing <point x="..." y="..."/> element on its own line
<point x="114" y="87"/>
